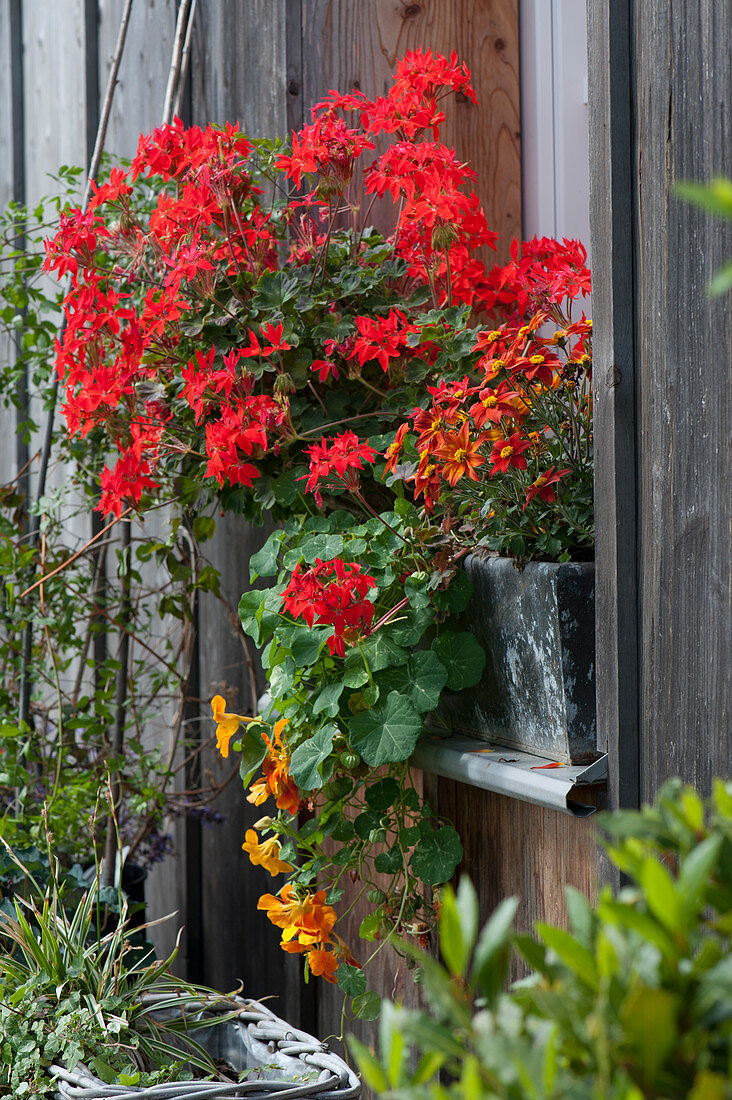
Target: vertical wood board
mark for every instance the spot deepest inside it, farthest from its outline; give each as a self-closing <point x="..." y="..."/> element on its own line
<point x="143" y="73"/>
<point x="348" y="45"/>
<point x="683" y="103"/>
<point x="238" y="74"/>
<point x="611" y="211"/>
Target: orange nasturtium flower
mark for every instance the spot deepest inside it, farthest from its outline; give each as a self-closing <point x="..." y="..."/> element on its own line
<point x="306" y="919"/>
<point x="226" y="724"/>
<point x="460" y="455"/>
<point x="276" y="779"/>
<point x="265" y="854"/>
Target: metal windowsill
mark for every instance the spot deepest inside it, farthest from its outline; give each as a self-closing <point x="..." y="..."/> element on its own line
<point x="517" y="774"/>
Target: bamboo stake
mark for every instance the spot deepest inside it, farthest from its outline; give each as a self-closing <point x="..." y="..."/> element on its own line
<point x="181" y="29"/>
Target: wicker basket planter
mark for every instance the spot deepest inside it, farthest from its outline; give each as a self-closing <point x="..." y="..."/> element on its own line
<point x="280" y="1062"/>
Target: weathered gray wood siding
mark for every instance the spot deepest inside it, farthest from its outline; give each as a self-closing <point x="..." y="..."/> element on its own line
<point x="661" y="112"/>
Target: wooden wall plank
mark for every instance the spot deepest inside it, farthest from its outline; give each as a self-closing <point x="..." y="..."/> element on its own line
<point x="143" y="73"/>
<point x="348" y="45"/>
<point x="238" y="73"/>
<point x="357" y="45"/>
<point x="611" y="218"/>
<point x="683" y="93"/>
<point x="137" y="107"/>
<point x="11" y="188"/>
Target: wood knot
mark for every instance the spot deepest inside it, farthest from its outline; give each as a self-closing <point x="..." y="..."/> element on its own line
<point x="411" y="10"/>
<point x="613" y="378"/>
<point x="357" y="85"/>
<point x="499" y="44"/>
<point x="293" y="88"/>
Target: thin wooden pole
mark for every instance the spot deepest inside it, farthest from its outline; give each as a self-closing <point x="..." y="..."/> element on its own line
<point x="181" y="30"/>
<point x="35" y="519"/>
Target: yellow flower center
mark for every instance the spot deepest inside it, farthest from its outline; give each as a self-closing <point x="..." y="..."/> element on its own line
<point x="540" y="481"/>
<point x="536" y="359"/>
<point x="506" y="451"/>
<point x="429" y="470"/>
<point x="490" y="402"/>
<point x="461" y="454"/>
<point x="494" y="335"/>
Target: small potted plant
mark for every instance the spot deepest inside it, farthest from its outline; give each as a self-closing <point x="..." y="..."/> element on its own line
<point x="88" y="1012"/>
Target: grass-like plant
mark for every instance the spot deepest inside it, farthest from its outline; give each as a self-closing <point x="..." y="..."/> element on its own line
<point x="75" y="991"/>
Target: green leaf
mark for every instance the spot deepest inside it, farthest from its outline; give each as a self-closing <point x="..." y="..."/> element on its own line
<point x="458" y="926"/>
<point x="286" y="488"/>
<point x="428" y="677"/>
<point x="462" y="656"/>
<point x="383" y="794"/>
<point x="436" y="855"/>
<point x="386" y="733"/>
<point x="307" y="643"/>
<point x="650" y="1019"/>
<point x="351" y="980"/>
<point x="410" y="630"/>
<point x="369" y="1067"/>
<point x="307" y="758"/>
<point x="695" y="873"/>
<point x="264" y="562"/>
<point x="252" y="753"/>
<point x="493" y="940"/>
<point x="661" y="895"/>
<point x="572" y="953"/>
<point x="326" y="702"/>
<point x="381" y="652"/>
<point x="456" y="596"/>
<point x="388" y="862"/>
<point x="370" y="927"/>
<point x="366" y="1006"/>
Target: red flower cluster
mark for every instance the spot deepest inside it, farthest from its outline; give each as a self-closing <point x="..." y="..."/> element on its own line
<point x="147" y="283"/>
<point x="336" y="594"/>
<point x="337" y="462"/>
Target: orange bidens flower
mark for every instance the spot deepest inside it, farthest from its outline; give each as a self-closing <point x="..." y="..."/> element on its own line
<point x="460" y="455"/>
<point x="226" y="724"/>
<point x="307" y="920"/>
<point x="266" y="854"/>
<point x="276" y="779"/>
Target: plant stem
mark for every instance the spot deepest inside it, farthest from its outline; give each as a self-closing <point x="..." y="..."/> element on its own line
<point x="117" y="746"/>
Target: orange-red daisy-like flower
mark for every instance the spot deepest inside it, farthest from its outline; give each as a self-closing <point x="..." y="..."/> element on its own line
<point x="543" y="486"/>
<point x="494" y="404"/>
<point x="460" y="455"/>
<point x="395" y="449"/>
<point x="509" y="452"/>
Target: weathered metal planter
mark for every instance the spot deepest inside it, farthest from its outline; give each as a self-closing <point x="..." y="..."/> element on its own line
<point x="537" y="626"/>
<point x="279" y="1060"/>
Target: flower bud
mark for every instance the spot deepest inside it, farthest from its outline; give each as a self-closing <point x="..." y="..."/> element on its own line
<point x="283" y="383"/>
<point x="263" y="823"/>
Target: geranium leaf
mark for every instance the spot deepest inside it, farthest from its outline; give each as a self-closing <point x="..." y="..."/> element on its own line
<point x="387" y="732"/>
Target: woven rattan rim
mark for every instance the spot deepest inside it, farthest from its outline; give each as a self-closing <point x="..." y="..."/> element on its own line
<point x="336" y="1081"/>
